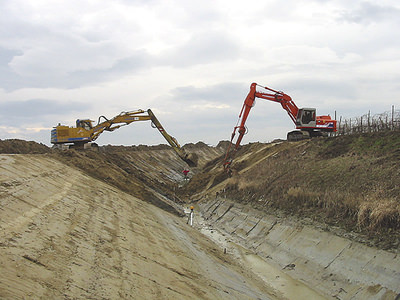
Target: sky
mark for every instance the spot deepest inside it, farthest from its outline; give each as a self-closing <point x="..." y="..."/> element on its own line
<point x="192" y="63"/>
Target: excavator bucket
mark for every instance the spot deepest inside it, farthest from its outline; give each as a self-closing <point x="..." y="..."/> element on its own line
<point x="191" y="159"/>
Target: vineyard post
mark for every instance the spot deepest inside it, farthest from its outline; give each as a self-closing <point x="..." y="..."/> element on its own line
<point x="392" y="117"/>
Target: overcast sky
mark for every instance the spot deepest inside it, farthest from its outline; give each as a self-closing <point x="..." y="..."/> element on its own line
<point x="192" y="63"/>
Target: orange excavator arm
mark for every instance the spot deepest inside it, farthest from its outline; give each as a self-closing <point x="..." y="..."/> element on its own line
<point x="272" y="95"/>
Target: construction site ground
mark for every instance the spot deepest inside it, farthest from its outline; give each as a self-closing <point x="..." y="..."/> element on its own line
<point x="112" y="224"/>
<point x="66" y="235"/>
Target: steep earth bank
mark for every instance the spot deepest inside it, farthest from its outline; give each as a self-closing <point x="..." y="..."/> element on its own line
<point x="151" y="173"/>
<point x="66" y="235"/>
<point x="299" y="259"/>
<point x="351" y="182"/>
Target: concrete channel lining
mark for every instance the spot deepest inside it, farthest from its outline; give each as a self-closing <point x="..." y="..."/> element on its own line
<point x="331" y="263"/>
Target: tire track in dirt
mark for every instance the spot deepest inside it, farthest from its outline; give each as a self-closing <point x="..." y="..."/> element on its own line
<point x="23" y="190"/>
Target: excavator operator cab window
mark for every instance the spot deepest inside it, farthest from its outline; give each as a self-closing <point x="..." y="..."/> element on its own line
<point x="85" y="124"/>
<point x="306" y="116"/>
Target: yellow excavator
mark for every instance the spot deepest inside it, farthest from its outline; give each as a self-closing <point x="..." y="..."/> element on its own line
<point x="85" y="133"/>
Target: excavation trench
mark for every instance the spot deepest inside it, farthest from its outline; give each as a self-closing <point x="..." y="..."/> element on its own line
<point x="85" y="224"/>
<point x="297" y="260"/>
<point x="66" y="235"/>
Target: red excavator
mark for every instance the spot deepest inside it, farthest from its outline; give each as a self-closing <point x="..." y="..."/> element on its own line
<point x="305" y="119"/>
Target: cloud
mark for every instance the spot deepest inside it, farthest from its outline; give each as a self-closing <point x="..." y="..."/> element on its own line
<point x="7" y="77"/>
<point x="52" y="51"/>
<point x="367" y="13"/>
<point x="34" y="110"/>
<point x="192" y="64"/>
<point x="203" y="48"/>
<point x="63" y="56"/>
<point x="95" y="44"/>
<point x="219" y="93"/>
<point x="320" y="86"/>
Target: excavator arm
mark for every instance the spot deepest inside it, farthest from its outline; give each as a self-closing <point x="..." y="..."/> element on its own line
<point x="270" y="94"/>
<point x="191" y="160"/>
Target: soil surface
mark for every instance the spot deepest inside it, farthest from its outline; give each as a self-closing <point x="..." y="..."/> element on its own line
<point x="66" y="235"/>
<point x="111" y="223"/>
<point x="348" y="184"/>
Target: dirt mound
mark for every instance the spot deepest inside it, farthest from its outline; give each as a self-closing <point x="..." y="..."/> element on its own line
<point x="374" y="144"/>
<point x="147" y="172"/>
<point x="195" y="146"/>
<point x="131" y="169"/>
<point x="349" y="183"/>
<point x="151" y="173"/>
<point x="346" y="181"/>
<point x="224" y="144"/>
<point x="16" y="146"/>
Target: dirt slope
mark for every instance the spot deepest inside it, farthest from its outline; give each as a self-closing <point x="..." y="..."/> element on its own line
<point x="66" y="235"/>
<point x="347" y="185"/>
<point x="351" y="182"/>
<point x="151" y="173"/>
<point x="15" y="146"/>
<point x="301" y="260"/>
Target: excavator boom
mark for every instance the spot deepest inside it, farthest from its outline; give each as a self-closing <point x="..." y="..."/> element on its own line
<point x="124" y="118"/>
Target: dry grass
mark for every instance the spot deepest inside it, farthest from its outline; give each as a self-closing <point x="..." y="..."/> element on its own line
<point x="371" y="212"/>
<point x="300" y="196"/>
<point x="379" y="214"/>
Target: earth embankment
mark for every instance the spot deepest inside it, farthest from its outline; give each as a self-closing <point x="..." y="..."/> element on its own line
<point x="351" y="182"/>
<point x="307" y="207"/>
<point x="67" y="235"/>
<point x="151" y="173"/>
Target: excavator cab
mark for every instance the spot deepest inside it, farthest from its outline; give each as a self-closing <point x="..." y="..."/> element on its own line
<point x="306" y="117"/>
<point x="85" y="124"/>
